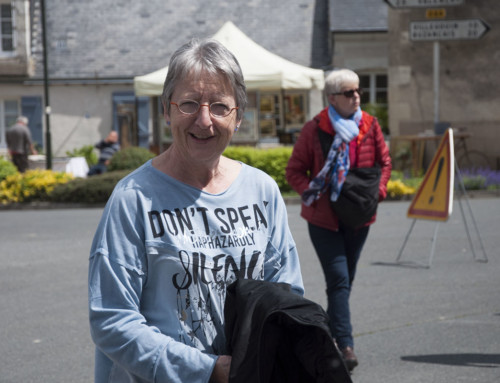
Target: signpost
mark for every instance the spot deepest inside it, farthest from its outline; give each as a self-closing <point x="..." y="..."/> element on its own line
<point x="439" y="30"/>
<point x="435" y="30"/>
<point x="423" y="3"/>
<point x="434" y="198"/>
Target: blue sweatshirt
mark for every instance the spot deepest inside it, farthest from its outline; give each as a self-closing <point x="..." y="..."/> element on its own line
<point x="160" y="262"/>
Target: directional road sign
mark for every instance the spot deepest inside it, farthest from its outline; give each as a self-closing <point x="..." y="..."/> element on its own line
<point x="436" y="30"/>
<point x="434" y="197"/>
<point x="423" y="3"/>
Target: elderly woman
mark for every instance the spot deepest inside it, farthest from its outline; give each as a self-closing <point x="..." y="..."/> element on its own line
<point x="339" y="138"/>
<point x="179" y="229"/>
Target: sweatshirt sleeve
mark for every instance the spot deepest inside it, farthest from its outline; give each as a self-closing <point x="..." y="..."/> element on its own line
<point x="117" y="273"/>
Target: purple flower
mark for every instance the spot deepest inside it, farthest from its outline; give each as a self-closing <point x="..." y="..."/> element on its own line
<point x="481" y="178"/>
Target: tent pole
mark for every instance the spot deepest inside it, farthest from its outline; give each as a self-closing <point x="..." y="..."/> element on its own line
<point x="282" y="111"/>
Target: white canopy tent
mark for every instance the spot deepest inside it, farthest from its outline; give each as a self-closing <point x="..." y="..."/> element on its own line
<point x="262" y="69"/>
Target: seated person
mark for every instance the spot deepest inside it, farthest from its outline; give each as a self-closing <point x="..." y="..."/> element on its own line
<point x="107" y="147"/>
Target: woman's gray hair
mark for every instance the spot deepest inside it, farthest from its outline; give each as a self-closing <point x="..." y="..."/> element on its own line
<point x="338" y="78"/>
<point x="198" y="56"/>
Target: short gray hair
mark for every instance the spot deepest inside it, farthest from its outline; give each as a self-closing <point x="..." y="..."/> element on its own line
<point x="208" y="55"/>
<point x="338" y="78"/>
<point x="22" y="119"/>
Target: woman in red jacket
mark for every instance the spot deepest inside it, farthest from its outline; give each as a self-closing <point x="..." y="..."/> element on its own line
<point x="350" y="138"/>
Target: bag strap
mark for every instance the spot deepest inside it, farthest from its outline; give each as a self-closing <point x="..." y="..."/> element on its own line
<point x="325" y="140"/>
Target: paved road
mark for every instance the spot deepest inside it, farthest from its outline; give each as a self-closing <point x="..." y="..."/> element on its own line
<point x="416" y="325"/>
<point x="411" y="324"/>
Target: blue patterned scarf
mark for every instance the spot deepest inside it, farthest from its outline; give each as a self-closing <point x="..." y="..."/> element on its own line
<point x="337" y="164"/>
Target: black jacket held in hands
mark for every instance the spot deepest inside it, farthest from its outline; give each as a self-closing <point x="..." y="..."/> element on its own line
<point x="275" y="335"/>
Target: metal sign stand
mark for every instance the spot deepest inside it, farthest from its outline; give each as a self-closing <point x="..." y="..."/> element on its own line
<point x="464" y="193"/>
<point x="437" y="30"/>
<point x="433" y="246"/>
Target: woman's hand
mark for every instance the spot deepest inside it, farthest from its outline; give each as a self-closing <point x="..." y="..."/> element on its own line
<point x="220" y="374"/>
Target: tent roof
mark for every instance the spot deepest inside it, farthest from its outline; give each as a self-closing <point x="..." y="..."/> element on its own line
<point x="262" y="69"/>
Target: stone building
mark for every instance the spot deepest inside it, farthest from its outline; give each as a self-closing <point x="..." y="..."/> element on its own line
<point x="463" y="58"/>
<point x="96" y="48"/>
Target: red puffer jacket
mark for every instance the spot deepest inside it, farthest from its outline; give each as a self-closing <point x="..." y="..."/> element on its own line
<point x="307" y="160"/>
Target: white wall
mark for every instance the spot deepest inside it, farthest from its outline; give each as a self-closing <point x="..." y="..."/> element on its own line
<point x="361" y="51"/>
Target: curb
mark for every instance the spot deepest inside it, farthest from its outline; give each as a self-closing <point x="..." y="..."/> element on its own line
<point x="293" y="200"/>
<point x="49" y="205"/>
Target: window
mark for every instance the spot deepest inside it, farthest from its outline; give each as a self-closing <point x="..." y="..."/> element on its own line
<point x="295" y="110"/>
<point x="6" y="28"/>
<point x="9" y="110"/>
<point x="374" y="99"/>
<point x="269" y="115"/>
<point x="375" y="87"/>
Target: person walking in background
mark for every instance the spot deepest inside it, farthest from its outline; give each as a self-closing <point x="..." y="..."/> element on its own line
<point x="341" y="137"/>
<point x="107" y="147"/>
<point x="19" y="143"/>
<point x="181" y="228"/>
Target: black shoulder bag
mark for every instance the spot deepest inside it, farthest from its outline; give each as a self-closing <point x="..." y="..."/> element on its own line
<point x="358" y="199"/>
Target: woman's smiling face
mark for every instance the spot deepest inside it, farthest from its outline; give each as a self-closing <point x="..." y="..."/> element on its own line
<point x="202" y="136"/>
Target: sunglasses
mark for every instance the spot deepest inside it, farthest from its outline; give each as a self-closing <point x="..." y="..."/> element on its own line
<point x="350" y="93"/>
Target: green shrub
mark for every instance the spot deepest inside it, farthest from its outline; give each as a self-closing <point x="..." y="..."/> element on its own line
<point x="245" y="154"/>
<point x="130" y="158"/>
<point x="272" y="161"/>
<point x="33" y="185"/>
<point x="96" y="189"/>
<point x="401" y="187"/>
<point x="413" y="182"/>
<point x="7" y="168"/>
<point x="381" y="112"/>
<point x="397" y="189"/>
<point x="86" y="151"/>
<point x="477" y="182"/>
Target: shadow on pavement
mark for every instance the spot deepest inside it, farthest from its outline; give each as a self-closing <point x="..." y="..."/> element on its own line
<point x="411" y="265"/>
<point x="470" y="360"/>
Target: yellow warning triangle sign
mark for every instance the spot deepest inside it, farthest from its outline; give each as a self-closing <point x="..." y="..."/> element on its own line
<point x="434" y="197"/>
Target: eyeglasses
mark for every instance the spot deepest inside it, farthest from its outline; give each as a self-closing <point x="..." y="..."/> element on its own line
<point x="190" y="107"/>
<point x="350" y="93"/>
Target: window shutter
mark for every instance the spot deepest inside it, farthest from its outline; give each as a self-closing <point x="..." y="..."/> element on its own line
<point x="31" y="107"/>
<point x="141" y="104"/>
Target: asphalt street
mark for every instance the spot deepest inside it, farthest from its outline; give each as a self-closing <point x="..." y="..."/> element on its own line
<point x="411" y="324"/>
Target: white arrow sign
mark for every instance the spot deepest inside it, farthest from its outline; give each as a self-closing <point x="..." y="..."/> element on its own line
<point x="437" y="30"/>
<point x="423" y="3"/>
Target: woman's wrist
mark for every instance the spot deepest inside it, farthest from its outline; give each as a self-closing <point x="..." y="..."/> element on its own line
<point x="220" y="373"/>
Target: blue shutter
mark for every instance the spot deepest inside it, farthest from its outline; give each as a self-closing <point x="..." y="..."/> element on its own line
<point x="120" y="98"/>
<point x="142" y="105"/>
<point x="31" y="107"/>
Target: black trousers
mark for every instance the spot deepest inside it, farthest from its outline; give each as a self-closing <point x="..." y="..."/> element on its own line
<point x="21" y="161"/>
